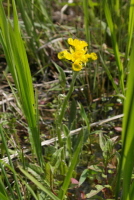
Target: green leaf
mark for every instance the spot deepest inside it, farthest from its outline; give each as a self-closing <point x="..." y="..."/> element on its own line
<point x="38" y="184"/>
<point x="73" y="163"/>
<point x="94" y="192"/>
<point x="130" y="29"/>
<point x="83" y="176"/>
<point x="3" y="191"/>
<point x="2" y="197"/>
<point x="114" y="43"/>
<point x="62" y="76"/>
<point x="127" y="161"/>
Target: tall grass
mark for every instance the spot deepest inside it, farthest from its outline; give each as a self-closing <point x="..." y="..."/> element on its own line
<point x="86" y="21"/>
<point x="10" y="38"/>
<point x="35" y="17"/>
<point x="115" y="44"/>
<point x="130" y="31"/>
<point x="11" y="167"/>
<point x="126" y="162"/>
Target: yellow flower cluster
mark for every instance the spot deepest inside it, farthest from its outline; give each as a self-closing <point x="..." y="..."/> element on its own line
<point x="77" y="54"/>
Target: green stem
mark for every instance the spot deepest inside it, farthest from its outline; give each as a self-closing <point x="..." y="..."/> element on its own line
<point x="63" y="108"/>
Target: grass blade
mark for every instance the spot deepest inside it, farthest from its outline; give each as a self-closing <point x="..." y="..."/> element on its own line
<point x="73" y="163"/>
<point x="38" y="184"/>
<point x="3" y="194"/>
<point x="11" y="166"/>
<point x="115" y="44"/>
<point x="130" y="29"/>
<point x="15" y="53"/>
<point x="86" y="21"/>
<point x="127" y="163"/>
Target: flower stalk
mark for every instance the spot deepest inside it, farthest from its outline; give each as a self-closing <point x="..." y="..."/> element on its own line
<point x="63" y="108"/>
<point x="78" y="56"/>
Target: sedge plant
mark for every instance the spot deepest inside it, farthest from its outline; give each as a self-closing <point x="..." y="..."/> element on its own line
<point x="11" y="168"/>
<point x="115" y="45"/>
<point x="15" y="53"/>
<point x="35" y="17"/>
<point x="125" y="172"/>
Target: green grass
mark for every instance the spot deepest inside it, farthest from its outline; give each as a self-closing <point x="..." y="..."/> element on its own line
<point x="18" y="65"/>
<point x="50" y="103"/>
<point x="126" y="163"/>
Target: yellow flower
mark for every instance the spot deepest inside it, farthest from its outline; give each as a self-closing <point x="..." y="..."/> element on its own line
<point x="77" y="65"/>
<point x="77" y="44"/>
<point x="77" y="54"/>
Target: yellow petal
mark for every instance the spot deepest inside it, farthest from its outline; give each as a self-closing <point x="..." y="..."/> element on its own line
<point x="68" y="56"/>
<point x="77" y="66"/>
<point x="61" y="55"/>
<point x="70" y="41"/>
<point x="93" y="56"/>
<point x="71" y="50"/>
<point x="78" y="44"/>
